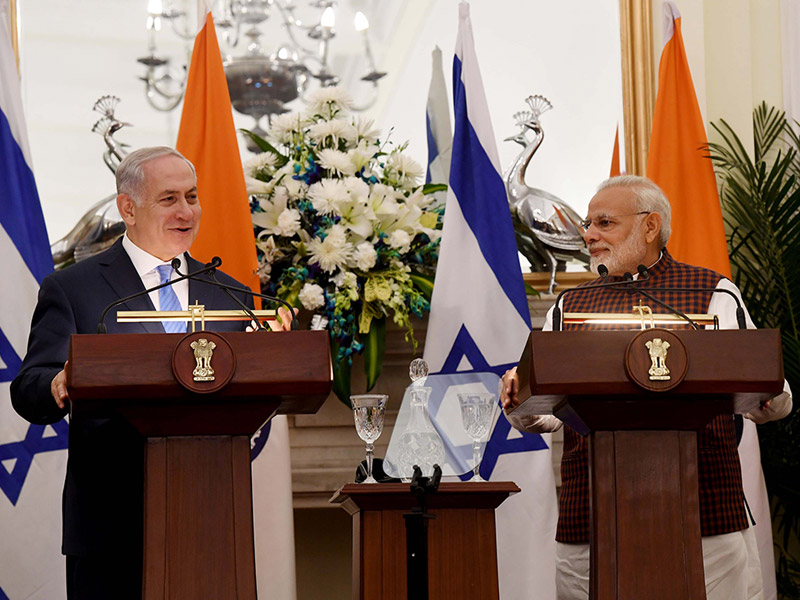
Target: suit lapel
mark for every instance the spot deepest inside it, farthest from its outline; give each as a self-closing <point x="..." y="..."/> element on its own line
<point x="117" y="269"/>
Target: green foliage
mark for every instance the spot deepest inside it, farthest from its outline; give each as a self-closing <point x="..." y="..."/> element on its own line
<point x="374" y="349"/>
<point x="761" y="204"/>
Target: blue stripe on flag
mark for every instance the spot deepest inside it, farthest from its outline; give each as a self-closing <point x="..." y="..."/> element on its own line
<point x="433" y="151"/>
<point x="481" y="195"/>
<point x="20" y="212"/>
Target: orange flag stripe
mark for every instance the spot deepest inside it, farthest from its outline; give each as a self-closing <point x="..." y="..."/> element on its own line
<point x="678" y="163"/>
<point x="207" y="137"/>
<point x="615" y="169"/>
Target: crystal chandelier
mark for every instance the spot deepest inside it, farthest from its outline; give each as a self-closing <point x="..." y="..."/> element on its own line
<point x="260" y="82"/>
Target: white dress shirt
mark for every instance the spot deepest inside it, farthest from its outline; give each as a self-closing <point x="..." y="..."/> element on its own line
<point x="145" y="265"/>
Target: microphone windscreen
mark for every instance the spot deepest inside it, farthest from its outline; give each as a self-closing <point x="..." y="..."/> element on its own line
<point x="626" y="276"/>
<point x="176" y="263"/>
<point x="602" y="270"/>
<point x="643" y="272"/>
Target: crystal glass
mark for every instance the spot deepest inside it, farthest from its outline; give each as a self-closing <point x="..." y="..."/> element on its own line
<point x="368" y="410"/>
<point x="477" y="410"/>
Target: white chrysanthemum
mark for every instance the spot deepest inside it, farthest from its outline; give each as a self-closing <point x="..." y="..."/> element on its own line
<point x="327" y="101"/>
<point x="333" y="252"/>
<point x="260" y="162"/>
<point x="400" y="240"/>
<point x="327" y="134"/>
<point x="366" y="130"/>
<point x="283" y="127"/>
<point x="345" y="279"/>
<point x="327" y="195"/>
<point x="365" y="256"/>
<point x="311" y="296"/>
<point x="335" y="161"/>
<point x="256" y="186"/>
<point x="289" y="222"/>
<point x="404" y="169"/>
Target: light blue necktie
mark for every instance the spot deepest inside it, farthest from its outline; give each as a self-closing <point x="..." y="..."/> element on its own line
<point x="168" y="300"/>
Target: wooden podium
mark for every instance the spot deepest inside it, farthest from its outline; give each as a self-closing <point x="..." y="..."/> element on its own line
<point x="462" y="549"/>
<point x="198" y="513"/>
<point x="645" y="522"/>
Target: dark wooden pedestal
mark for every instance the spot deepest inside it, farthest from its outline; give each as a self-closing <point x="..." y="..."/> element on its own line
<point x="198" y="507"/>
<point x="462" y="548"/>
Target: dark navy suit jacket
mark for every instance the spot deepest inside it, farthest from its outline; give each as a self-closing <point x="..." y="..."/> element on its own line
<point x="103" y="491"/>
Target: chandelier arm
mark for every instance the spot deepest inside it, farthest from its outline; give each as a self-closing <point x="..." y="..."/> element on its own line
<point x="289" y="24"/>
<point x="370" y="102"/>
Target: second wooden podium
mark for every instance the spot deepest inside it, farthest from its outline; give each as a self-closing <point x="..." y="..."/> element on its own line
<point x="641" y="397"/>
<point x="198" y="515"/>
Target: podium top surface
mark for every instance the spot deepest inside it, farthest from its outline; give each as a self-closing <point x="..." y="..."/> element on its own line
<point x="354" y="497"/>
<point x="292" y="370"/>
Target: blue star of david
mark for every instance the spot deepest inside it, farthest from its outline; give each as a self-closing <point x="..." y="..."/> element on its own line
<point x="499" y="443"/>
<point x="35" y="441"/>
<point x="9" y="358"/>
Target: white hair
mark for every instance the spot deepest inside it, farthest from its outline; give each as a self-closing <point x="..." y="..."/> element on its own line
<point x="649" y="198"/>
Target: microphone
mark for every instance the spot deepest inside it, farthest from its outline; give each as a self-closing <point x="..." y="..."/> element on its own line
<point x="644" y="275"/>
<point x="101" y="325"/>
<point x="176" y="263"/>
<point x="216" y="262"/>
<point x="627" y="285"/>
<point x="602" y="270"/>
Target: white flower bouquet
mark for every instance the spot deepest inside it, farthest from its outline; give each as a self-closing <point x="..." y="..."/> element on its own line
<point x="343" y="227"/>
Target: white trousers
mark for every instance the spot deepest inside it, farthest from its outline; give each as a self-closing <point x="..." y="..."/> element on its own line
<point x="730" y="562"/>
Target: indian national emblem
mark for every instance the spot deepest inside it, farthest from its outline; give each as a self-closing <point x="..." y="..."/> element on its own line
<point x="203" y="351"/>
<point x="658" y="359"/>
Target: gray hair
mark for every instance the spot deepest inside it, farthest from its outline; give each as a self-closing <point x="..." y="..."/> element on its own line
<point x="649" y="198"/>
<point x="130" y="172"/>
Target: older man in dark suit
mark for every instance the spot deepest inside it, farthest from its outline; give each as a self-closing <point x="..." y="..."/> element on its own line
<point x="103" y="495"/>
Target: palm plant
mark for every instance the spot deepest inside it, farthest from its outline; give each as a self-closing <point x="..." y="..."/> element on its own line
<point x="761" y="206"/>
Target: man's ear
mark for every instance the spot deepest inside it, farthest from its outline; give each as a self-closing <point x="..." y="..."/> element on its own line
<point x="652" y="223"/>
<point x="127" y="209"/>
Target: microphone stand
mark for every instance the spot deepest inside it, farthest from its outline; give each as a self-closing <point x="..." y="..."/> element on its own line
<point x="417" y="533"/>
<point x="233" y="288"/>
<point x="101" y="325"/>
<point x="176" y="263"/>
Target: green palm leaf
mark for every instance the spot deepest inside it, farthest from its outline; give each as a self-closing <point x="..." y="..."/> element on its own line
<point x="761" y="204"/>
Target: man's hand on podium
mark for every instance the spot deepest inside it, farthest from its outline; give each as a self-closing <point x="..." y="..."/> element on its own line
<point x="508" y="392"/>
<point x="58" y="387"/>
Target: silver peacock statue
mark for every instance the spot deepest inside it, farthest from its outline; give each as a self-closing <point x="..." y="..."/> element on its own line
<point x="101" y="225"/>
<point x="548" y="230"/>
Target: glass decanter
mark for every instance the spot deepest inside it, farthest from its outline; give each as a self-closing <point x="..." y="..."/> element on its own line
<point x="420" y="443"/>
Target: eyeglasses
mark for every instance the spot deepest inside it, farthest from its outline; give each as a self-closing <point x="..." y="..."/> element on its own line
<point x="606" y="222"/>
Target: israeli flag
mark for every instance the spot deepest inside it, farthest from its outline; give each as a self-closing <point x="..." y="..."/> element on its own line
<point x="480" y="321"/>
<point x="32" y="457"/>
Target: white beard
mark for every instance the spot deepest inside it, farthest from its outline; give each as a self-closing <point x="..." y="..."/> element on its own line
<point x="622" y="257"/>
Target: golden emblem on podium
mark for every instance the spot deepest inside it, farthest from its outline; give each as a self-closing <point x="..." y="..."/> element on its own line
<point x="203" y="352"/>
<point x="658" y="359"/>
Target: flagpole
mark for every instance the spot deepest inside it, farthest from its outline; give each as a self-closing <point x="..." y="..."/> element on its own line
<point x="14" y="27"/>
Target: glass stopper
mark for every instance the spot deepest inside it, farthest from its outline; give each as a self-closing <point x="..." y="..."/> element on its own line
<point x="418" y="369"/>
